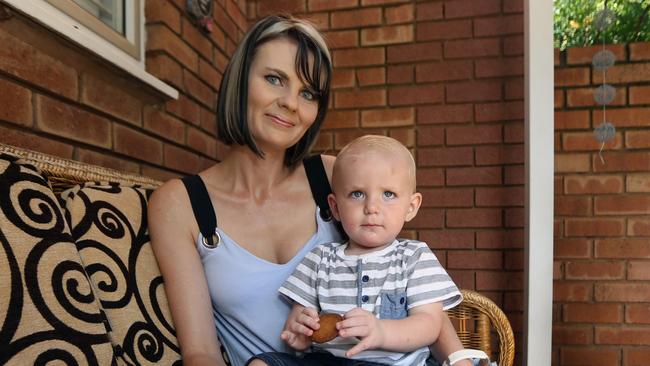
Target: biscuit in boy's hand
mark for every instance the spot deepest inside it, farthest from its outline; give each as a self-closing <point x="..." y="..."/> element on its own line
<point x="327" y="330"/>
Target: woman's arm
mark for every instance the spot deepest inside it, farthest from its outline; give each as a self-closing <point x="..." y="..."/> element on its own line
<point x="171" y="224"/>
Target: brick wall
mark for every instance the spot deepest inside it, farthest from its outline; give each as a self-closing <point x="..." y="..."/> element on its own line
<point x="602" y="211"/>
<point x="60" y="99"/>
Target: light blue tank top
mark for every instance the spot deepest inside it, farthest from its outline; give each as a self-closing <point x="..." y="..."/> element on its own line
<point x="249" y="312"/>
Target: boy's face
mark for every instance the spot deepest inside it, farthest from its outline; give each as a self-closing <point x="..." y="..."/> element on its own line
<point x="373" y="197"/>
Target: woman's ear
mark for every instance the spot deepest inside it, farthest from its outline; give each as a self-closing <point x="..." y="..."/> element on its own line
<point x="331" y="199"/>
<point x="414" y="206"/>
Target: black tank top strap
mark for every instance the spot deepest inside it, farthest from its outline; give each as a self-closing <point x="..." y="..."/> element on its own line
<point x="320" y="188"/>
<point x="203" y="209"/>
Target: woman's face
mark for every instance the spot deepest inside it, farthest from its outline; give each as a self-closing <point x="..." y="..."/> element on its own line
<point x="280" y="106"/>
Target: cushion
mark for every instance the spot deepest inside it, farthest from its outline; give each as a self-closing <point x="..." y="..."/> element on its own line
<point x="47" y="308"/>
<point x="109" y="226"/>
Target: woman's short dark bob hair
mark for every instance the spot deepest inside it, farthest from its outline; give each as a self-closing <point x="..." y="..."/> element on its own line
<point x="232" y="124"/>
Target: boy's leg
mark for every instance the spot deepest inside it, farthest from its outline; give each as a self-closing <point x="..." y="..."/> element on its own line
<point x="276" y="359"/>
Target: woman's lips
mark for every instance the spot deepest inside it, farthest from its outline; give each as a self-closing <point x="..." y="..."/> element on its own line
<point x="280" y="121"/>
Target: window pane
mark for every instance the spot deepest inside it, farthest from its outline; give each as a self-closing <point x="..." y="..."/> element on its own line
<point x="110" y="12"/>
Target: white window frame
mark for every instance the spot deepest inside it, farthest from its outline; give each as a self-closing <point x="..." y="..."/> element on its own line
<point x="54" y="18"/>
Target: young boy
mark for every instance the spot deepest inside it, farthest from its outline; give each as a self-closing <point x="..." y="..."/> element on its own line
<point x="391" y="292"/>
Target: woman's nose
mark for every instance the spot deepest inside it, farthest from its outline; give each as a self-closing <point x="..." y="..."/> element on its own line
<point x="289" y="101"/>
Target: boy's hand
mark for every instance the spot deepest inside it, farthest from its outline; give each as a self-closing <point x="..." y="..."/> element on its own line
<point x="300" y="325"/>
<point x="364" y="325"/>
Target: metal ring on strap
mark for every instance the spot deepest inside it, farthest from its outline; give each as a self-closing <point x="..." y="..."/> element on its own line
<point x="216" y="240"/>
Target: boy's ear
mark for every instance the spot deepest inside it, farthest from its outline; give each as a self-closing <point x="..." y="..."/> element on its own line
<point x="331" y="199"/>
<point x="414" y="206"/>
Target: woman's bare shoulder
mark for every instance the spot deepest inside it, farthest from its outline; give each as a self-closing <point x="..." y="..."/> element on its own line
<point x="328" y="162"/>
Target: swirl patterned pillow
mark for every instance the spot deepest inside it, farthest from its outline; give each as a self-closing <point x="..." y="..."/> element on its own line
<point x="48" y="312"/>
<point x="109" y="226"/>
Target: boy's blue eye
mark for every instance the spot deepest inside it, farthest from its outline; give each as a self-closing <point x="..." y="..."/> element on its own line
<point x="356" y="194"/>
<point x="389" y="194"/>
<point x="273" y="80"/>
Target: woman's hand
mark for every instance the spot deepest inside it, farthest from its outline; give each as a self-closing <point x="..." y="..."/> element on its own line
<point x="299" y="327"/>
<point x="364" y="325"/>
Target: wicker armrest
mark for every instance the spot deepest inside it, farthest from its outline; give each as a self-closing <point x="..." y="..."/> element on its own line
<point x="477" y="316"/>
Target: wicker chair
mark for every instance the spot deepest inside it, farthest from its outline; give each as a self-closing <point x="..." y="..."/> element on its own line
<point x="477" y="316"/>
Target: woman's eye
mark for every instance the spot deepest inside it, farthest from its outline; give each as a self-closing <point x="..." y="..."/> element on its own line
<point x="389" y="194"/>
<point x="273" y="80"/>
<point x="306" y="94"/>
<point x="356" y="194"/>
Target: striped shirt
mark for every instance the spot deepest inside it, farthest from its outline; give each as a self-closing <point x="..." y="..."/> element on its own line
<point x="386" y="282"/>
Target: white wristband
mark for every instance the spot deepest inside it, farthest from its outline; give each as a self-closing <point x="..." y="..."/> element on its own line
<point x="465" y="354"/>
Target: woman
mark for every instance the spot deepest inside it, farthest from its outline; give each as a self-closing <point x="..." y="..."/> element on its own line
<point x="273" y="100"/>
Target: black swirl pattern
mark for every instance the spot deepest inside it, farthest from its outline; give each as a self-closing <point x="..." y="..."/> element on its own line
<point x="48" y="311"/>
<point x="109" y="227"/>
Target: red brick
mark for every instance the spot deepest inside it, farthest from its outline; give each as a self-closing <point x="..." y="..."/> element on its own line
<point x="162" y="38"/>
<point x="474" y="91"/>
<point x="624" y="73"/>
<point x="410" y="53"/>
<point x="159" y="174"/>
<point x="513" y="132"/>
<point x="585" y="141"/>
<point x="572" y="248"/>
<point x="445" y="156"/>
<point x="199" y="90"/>
<point x="594" y="227"/>
<point x="474" y="259"/>
<point x="627" y="117"/>
<point x="637" y="313"/>
<point x="514" y="89"/>
<point x="163" y="12"/>
<point x="218" y="38"/>
<point x="324" y="143"/>
<point x="500" y="25"/>
<point x="558" y="101"/>
<point x="637" y="356"/>
<point x="200" y="141"/>
<point x="637" y="182"/>
<point x="590" y="356"/>
<point x="638" y="270"/>
<point x="570" y="291"/>
<point x="637" y="139"/>
<point x="514" y="217"/>
<point x="220" y="60"/>
<point x="495" y="155"/>
<point x="499" y="280"/>
<point x="622" y="205"/>
<point x="474" y="176"/>
<point x="572" y="334"/>
<point x="474" y="217"/>
<point x="371" y="76"/>
<point x="402" y="74"/>
<point x="196" y="39"/>
<point x="584" y="97"/>
<point x="237" y="14"/>
<point x="589" y="184"/>
<point x="500" y="239"/>
<point x="638" y="227"/>
<point x="623" y="162"/>
<point x="404" y="135"/>
<point x="557" y="56"/>
<point x="356" y="18"/>
<point x="185" y="108"/>
<point x="430" y="177"/>
<point x="182" y="160"/>
<point x="463" y="278"/>
<point x="342" y="138"/>
<point x="28" y="63"/>
<point x="166" y="69"/>
<point x="431" y="136"/>
<point x="622" y="292"/>
<point x="342" y="39"/>
<point x="585" y="55"/>
<point x="616" y="335"/>
<point x="381" y="2"/>
<point x="281" y="6"/>
<point x="69" y="121"/>
<point x="572" y="76"/>
<point x="460" y="9"/>
<point x="427" y="218"/>
<point x="164" y="125"/>
<point x="209" y="75"/>
<point x="639" y="94"/>
<point x="360" y="98"/>
<point x="440" y="30"/>
<point x="319" y="5"/>
<point x="16" y="103"/>
<point x="443" y="71"/>
<point x="472" y="48"/>
<point x="136" y="144"/>
<point x="622" y="248"/>
<point x="513" y="45"/>
<point x="342" y="119"/>
<point x="30" y="141"/>
<point x="592" y="313"/>
<point x="418" y="94"/>
<point x="447" y="197"/>
<point x="565" y="163"/>
<point x="111" y="98"/>
<point x="359" y="57"/>
<point x="208" y="121"/>
<point x="501" y="111"/>
<point x="595" y="270"/>
<point x="565" y="120"/>
<point x="387" y="35"/>
<point x="514" y="260"/>
<point x="343" y="78"/>
<point x="104" y="160"/>
<point x="390" y="117"/>
<point x="506" y="196"/>
<point x="399" y="14"/>
<point x="474" y="135"/>
<point x="451" y="239"/>
<point x="639" y="51"/>
<point x="428" y="11"/>
<point x="457" y="113"/>
<point x="498" y="67"/>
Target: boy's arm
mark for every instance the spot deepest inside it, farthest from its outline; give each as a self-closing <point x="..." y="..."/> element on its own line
<point x="420" y="328"/>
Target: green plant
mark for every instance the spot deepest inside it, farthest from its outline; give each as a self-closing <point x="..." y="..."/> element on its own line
<point x="574" y="22"/>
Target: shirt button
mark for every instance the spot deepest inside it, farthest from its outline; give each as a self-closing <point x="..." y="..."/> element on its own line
<point x="364" y="298"/>
<point x="401" y="300"/>
<point x="365" y="278"/>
